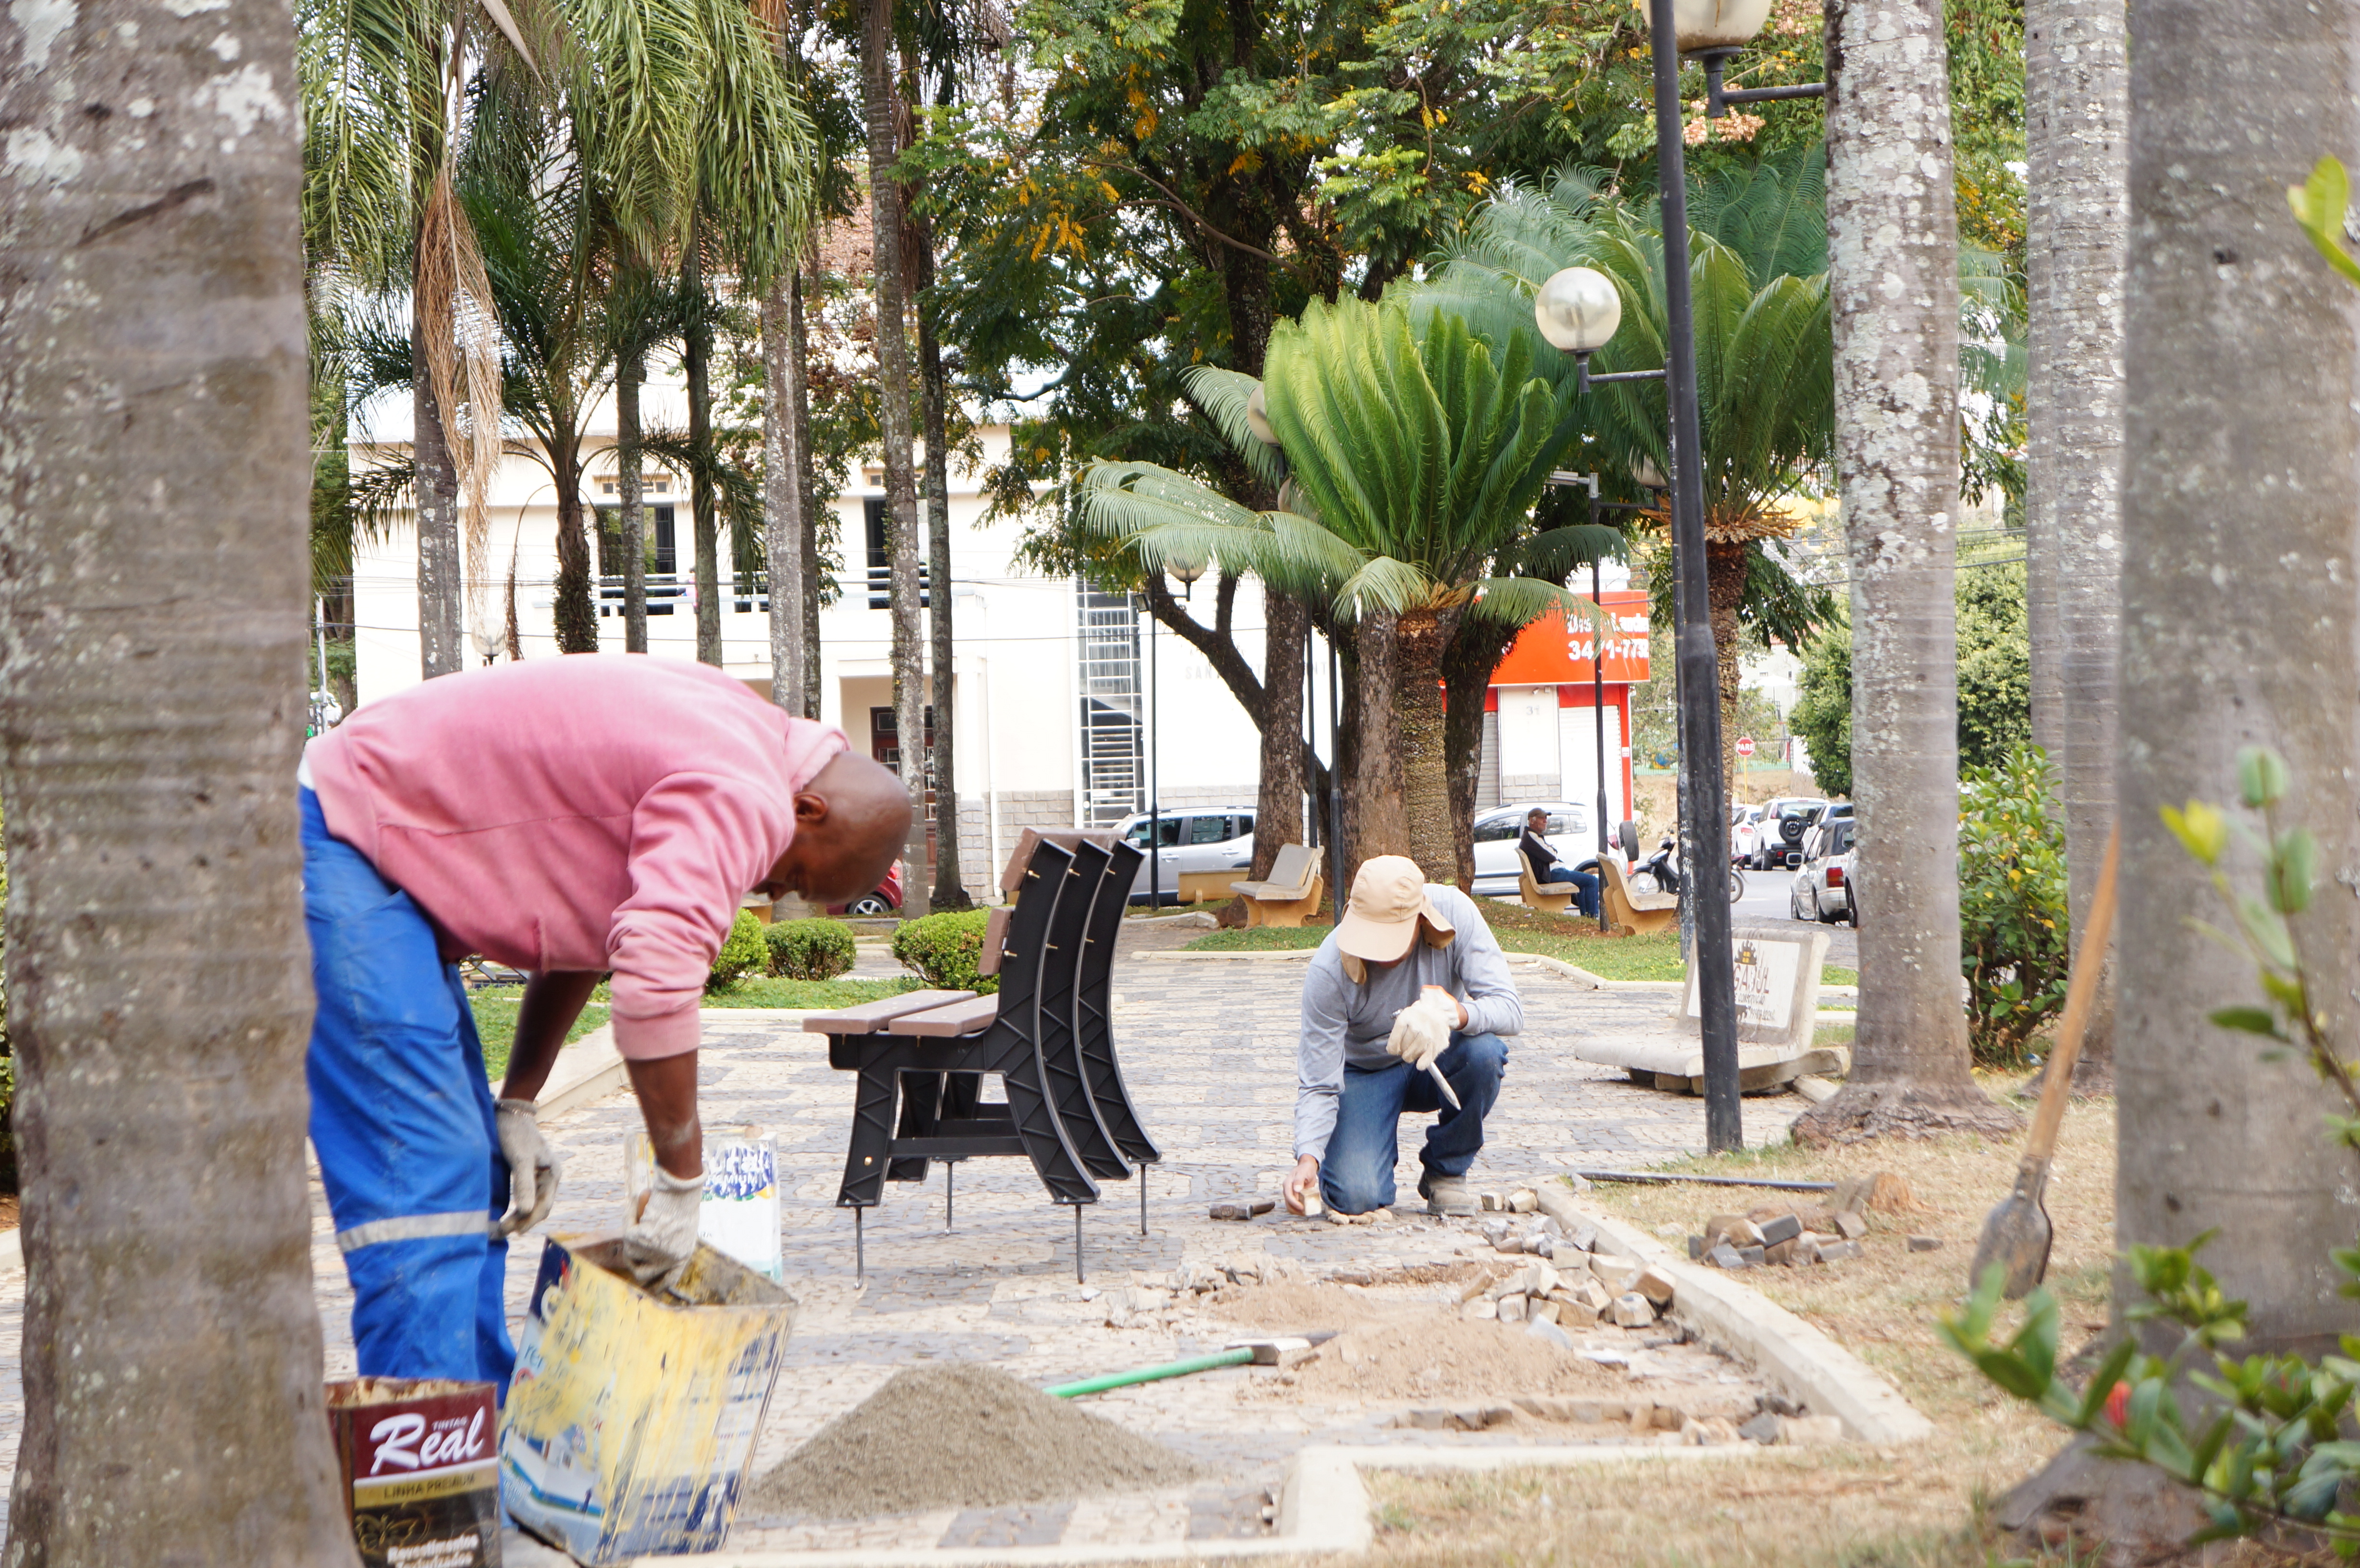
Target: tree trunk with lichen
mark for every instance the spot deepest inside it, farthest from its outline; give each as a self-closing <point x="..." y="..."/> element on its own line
<point x="153" y="599"/>
<point x="1894" y="285"/>
<point x="1376" y="813"/>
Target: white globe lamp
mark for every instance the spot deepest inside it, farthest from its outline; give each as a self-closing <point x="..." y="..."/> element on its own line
<point x="1577" y="310"/>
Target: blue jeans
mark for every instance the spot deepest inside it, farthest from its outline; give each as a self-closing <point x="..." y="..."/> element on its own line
<point x="1585" y="887"/>
<point x="1357" y="1173"/>
<point x="404" y="1124"/>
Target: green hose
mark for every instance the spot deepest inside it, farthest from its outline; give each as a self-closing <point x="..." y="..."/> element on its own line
<point x="1149" y="1374"/>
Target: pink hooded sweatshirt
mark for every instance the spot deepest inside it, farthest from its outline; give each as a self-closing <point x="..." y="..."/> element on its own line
<point x="585" y="813"/>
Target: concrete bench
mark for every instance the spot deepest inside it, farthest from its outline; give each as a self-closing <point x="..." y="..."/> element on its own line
<point x="1630" y="910"/>
<point x="1539" y="895"/>
<point x="1291" y="893"/>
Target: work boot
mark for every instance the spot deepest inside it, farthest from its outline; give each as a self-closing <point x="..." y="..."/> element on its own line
<point x="1446" y="1194"/>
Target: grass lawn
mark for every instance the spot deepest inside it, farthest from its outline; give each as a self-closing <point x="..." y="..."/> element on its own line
<point x="1921" y="1508"/>
<point x="1521" y="930"/>
<point x="495" y="1021"/>
<point x="496" y="1005"/>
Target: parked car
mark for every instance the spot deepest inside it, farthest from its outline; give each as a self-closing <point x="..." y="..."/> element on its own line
<point x="1570" y="835"/>
<point x="1745" y="835"/>
<point x="1779" y="838"/>
<point x="1191" y="838"/>
<point x="884" y="900"/>
<point x="1823" y="886"/>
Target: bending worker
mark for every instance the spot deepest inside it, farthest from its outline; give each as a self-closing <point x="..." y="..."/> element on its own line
<point x="568" y="817"/>
<point x="1409" y="983"/>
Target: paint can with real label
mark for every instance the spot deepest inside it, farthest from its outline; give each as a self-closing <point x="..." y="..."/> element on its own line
<point x="739" y="1214"/>
<point x="420" y="1465"/>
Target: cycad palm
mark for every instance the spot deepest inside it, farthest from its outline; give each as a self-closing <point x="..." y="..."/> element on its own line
<point x="1416" y="457"/>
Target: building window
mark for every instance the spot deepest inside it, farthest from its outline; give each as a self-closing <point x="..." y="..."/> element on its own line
<point x="878" y="516"/>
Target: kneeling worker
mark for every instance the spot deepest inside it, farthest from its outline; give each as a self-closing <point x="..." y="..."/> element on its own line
<point x="1409" y="981"/>
<point x="566" y="817"/>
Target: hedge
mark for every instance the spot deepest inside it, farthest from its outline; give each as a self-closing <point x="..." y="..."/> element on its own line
<point x="944" y="949"/>
<point x="742" y="952"/>
<point x="809" y="950"/>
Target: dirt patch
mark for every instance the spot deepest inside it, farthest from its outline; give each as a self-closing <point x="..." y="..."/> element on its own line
<point x="961" y="1436"/>
<point x="1309" y="1309"/>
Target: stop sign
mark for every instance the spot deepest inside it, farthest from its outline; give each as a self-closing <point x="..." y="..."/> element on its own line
<point x="1744" y="746"/>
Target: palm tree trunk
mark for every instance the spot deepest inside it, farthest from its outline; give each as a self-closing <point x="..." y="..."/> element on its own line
<point x="1376" y="816"/>
<point x="154" y="383"/>
<point x="630" y="372"/>
<point x="909" y="651"/>
<point x="950" y="892"/>
<point x="1725" y="567"/>
<point x="1475" y="652"/>
<point x="784" y="520"/>
<point x="696" y="344"/>
<point x="2044" y="639"/>
<point x="2077" y="100"/>
<point x="442" y="587"/>
<point x="1419" y="726"/>
<point x="1893" y="276"/>
<point x="575" y="596"/>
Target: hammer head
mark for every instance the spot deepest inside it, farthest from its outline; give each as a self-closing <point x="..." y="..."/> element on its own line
<point x="1284" y="1351"/>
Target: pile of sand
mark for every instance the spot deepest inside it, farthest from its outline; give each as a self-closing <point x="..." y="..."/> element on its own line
<point x="961" y="1436"/>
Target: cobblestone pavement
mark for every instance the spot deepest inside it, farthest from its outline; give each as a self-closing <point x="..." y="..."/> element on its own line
<point x="1207" y="1048"/>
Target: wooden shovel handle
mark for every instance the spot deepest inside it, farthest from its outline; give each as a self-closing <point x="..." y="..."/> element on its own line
<point x="2089" y="962"/>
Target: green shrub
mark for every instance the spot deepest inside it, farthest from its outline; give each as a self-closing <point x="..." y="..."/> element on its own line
<point x="2013" y="943"/>
<point x="742" y="952"/>
<point x="944" y="949"/>
<point x="809" y="950"/>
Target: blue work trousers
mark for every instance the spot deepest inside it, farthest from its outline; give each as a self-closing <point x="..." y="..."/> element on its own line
<point x="404" y="1125"/>
<point x="1357" y="1173"/>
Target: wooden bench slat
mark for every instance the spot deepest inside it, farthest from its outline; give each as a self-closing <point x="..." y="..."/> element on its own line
<point x="869" y="1017"/>
<point x="950" y="1022"/>
<point x="995" y="937"/>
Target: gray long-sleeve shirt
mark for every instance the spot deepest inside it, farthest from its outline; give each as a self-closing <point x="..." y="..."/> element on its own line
<point x="1347" y="1023"/>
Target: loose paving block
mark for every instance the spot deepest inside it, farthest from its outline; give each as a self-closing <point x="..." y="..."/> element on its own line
<point x="1633" y="1311"/>
<point x="1925" y="1244"/>
<point x="1838" y="1251"/>
<point x="1696" y="1247"/>
<point x="1706" y="1431"/>
<point x="1431" y="1420"/>
<point x="1480" y="1311"/>
<point x="1585" y="1236"/>
<point x="1735" y="1229"/>
<point x="1656" y="1286"/>
<point x="1541" y="1328"/>
<point x="1491" y="1202"/>
<point x="1786" y="1227"/>
<point x="1576" y="1314"/>
<point x="1512" y="1308"/>
<point x="1782" y="1254"/>
<point x="1541" y="1310"/>
<point x="1523" y="1201"/>
<point x="1810" y="1430"/>
<point x="1850" y="1226"/>
<point x="1764" y="1428"/>
<point x="1752" y="1255"/>
<point x="1726" y="1257"/>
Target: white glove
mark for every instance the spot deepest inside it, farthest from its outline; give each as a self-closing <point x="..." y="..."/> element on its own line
<point x="657" y="1248"/>
<point x="533" y="1167"/>
<point x="1422" y="1030"/>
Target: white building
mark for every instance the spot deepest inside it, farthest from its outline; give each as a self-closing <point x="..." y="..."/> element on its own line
<point x="1069" y="705"/>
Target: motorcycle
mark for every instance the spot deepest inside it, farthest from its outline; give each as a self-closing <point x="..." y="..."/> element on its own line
<point x="1663" y="868"/>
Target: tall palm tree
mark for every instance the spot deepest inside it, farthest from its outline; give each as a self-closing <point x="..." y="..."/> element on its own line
<point x="2077" y="79"/>
<point x="151" y="712"/>
<point x="1893" y="279"/>
<point x="1413" y="460"/>
<point x="882" y="100"/>
<point x="1758" y="279"/>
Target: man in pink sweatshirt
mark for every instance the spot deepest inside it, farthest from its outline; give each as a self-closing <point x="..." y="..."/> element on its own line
<point x="572" y="818"/>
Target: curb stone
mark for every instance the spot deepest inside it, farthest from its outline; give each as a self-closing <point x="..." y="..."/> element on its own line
<point x="1741" y="1322"/>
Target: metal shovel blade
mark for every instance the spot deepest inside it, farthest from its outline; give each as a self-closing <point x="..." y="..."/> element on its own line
<point x="2016" y="1236"/>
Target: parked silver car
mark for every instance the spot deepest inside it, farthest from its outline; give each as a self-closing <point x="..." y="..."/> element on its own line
<point x="1823" y="886"/>
<point x="1570" y="833"/>
<point x="1194" y="838"/>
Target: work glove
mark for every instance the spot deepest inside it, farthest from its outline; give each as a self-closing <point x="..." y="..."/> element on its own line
<point x="1422" y="1030"/>
<point x="533" y="1167"/>
<point x="657" y="1249"/>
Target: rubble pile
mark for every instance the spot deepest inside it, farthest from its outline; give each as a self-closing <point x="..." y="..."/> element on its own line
<point x="1791" y="1236"/>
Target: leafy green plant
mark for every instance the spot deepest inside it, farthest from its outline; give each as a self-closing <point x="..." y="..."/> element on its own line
<point x="945" y="948"/>
<point x="2012" y="912"/>
<point x="743" y="951"/>
<point x="2266" y="1445"/>
<point x="809" y="950"/>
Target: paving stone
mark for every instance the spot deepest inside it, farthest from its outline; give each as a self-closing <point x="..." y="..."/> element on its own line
<point x="1656" y="1285"/>
<point x="1851" y="1227"/>
<point x="1838" y="1251"/>
<point x="1925" y="1244"/>
<point x="1764" y="1428"/>
<point x="1633" y="1311"/>
<point x="1785" y="1228"/>
<point x="1727" y="1256"/>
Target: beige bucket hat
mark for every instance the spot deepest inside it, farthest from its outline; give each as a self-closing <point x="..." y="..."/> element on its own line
<point x="1388" y="906"/>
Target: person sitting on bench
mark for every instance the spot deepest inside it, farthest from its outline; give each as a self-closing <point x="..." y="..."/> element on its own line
<point x="1547" y="868"/>
<point x="1411" y="981"/>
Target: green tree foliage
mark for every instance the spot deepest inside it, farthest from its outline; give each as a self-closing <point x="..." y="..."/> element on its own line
<point x="2012" y="917"/>
<point x="1994" y="678"/>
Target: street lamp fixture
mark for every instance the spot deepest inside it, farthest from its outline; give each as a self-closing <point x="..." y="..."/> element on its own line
<point x="1714" y="31"/>
<point x="1258" y="418"/>
<point x="1577" y="310"/>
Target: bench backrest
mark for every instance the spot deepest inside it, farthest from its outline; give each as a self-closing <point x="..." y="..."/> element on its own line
<point x="1295" y="867"/>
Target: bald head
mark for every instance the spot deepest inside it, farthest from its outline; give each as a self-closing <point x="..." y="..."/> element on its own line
<point x="851" y="820"/>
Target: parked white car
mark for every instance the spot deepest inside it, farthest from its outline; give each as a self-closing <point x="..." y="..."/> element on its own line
<point x="1570" y="833"/>
<point x="1778" y="840"/>
<point x="1745" y="834"/>
<point x="1194" y="838"/>
<point x="1822" y="889"/>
